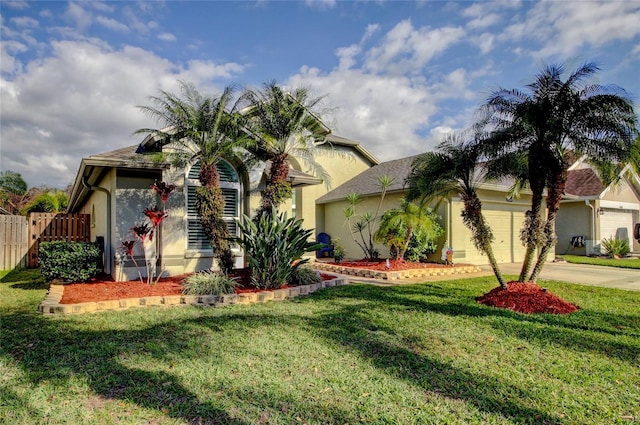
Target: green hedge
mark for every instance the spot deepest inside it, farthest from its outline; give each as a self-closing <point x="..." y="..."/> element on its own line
<point x="69" y="261"/>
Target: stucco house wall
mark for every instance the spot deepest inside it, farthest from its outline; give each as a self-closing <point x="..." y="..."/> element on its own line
<point x="505" y="216"/>
<point x="597" y="212"/>
<point x="127" y="176"/>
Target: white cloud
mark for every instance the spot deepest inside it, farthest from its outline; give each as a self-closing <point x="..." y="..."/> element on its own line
<point x="165" y="36"/>
<point x="385" y="96"/>
<point x="570" y="26"/>
<point x="321" y="4"/>
<point x="406" y="49"/>
<point x="83" y="100"/>
<point x="25" y="22"/>
<point x="112" y="24"/>
<point x="81" y="18"/>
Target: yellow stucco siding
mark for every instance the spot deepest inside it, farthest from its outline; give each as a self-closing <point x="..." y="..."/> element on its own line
<point x="341" y="169"/>
<point x="622" y="192"/>
<point x="336" y="224"/>
<point x="574" y="219"/>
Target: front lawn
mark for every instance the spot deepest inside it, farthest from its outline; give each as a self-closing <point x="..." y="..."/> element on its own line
<point x="414" y="354"/>
<point x="627" y="263"/>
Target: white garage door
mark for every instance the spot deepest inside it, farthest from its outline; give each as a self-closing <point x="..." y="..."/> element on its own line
<point x="616" y="224"/>
<point x="507" y="246"/>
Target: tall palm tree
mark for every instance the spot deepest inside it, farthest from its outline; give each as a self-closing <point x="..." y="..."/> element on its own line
<point x="284" y="126"/>
<point x="204" y="129"/>
<point x="552" y="121"/>
<point x="452" y="169"/>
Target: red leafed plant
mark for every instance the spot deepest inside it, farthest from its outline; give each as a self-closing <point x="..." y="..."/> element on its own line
<point x="127" y="250"/>
<point x="145" y="231"/>
<point x="156" y="215"/>
<point x="164" y="190"/>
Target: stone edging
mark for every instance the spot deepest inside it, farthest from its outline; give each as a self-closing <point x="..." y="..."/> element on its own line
<point x="51" y="303"/>
<point x="396" y="275"/>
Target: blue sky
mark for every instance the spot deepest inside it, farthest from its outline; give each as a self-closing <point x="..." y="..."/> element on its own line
<point x="396" y="76"/>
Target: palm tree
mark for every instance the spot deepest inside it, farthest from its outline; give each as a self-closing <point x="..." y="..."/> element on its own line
<point x="551" y="122"/>
<point x="283" y="127"/>
<point x="452" y="169"/>
<point x="203" y="129"/>
<point x="398" y="225"/>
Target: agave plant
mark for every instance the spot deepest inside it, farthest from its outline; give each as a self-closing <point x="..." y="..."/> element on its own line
<point x="272" y="243"/>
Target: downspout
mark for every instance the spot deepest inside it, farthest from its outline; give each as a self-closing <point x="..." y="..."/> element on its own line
<point x="593" y="222"/>
<point x="449" y="220"/>
<point x="107" y="242"/>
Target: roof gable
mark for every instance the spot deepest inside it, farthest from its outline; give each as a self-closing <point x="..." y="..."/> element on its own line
<point x="583" y="183"/>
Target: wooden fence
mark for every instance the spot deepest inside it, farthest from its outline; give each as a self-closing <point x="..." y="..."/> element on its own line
<point x="14" y="241"/>
<point x="48" y="227"/>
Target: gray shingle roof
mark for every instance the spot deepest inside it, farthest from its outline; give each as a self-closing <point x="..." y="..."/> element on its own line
<point x="583" y="182"/>
<point x="366" y="183"/>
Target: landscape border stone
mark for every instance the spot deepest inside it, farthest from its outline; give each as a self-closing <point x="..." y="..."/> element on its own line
<point x="51" y="304"/>
<point x="397" y="274"/>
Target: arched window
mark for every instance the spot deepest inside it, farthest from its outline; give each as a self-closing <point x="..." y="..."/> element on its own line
<point x="230" y="185"/>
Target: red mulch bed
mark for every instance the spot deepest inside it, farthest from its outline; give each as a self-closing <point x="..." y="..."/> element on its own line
<point x="104" y="288"/>
<point x="381" y="265"/>
<point x="526" y="297"/>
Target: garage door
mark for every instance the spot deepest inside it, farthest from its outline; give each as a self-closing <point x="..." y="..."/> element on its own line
<point x="617" y="224"/>
<point x="506" y="227"/>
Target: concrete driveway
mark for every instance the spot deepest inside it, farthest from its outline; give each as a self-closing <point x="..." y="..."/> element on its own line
<point x="609" y="277"/>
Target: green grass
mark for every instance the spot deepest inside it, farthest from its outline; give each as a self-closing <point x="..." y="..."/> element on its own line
<point x="356" y="354"/>
<point x="627" y="263"/>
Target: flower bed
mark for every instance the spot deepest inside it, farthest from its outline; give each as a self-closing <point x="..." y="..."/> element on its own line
<point x="394" y="270"/>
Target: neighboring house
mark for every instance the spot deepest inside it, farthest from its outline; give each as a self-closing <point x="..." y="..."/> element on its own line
<point x="505" y="215"/>
<point x="592" y="212"/>
<point x="114" y="187"/>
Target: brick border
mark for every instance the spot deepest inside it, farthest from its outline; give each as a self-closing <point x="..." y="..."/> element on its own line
<point x="51" y="304"/>
<point x="396" y="275"/>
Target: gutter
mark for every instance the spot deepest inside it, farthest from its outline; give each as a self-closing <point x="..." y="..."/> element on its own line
<point x="107" y="242"/>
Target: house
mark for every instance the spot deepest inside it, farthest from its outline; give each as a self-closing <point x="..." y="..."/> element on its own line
<point x="591" y="212"/>
<point x="114" y="188"/>
<point x="505" y="215"/>
<point x="588" y="210"/>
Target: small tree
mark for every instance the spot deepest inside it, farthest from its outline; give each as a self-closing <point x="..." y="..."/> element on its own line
<point x="362" y="226"/>
<point x="399" y="225"/>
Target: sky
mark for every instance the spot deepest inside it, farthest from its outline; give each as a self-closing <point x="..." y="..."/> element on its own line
<point x="394" y="76"/>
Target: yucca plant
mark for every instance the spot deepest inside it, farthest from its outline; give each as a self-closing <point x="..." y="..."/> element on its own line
<point x="208" y="283"/>
<point x="615" y="247"/>
<point x="272" y="243"/>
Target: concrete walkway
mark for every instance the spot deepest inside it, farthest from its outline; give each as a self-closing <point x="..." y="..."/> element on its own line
<point x="608" y="277"/>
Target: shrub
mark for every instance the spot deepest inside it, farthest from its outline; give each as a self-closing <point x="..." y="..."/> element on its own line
<point x="304" y="276"/>
<point x="338" y="250"/>
<point x="69" y="261"/>
<point x="272" y="242"/>
<point x="420" y="247"/>
<point x="208" y="283"/>
<point x="616" y="247"/>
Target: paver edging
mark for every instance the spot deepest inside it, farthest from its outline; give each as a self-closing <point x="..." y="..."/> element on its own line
<point x="51" y="304"/>
<point x="397" y="274"/>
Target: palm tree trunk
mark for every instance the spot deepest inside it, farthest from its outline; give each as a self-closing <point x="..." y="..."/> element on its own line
<point x="407" y="239"/>
<point x="210" y="206"/>
<point x="532" y="231"/>
<point x="277" y="187"/>
<point x="481" y="232"/>
<point x="555" y="192"/>
<point x="494" y="265"/>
